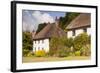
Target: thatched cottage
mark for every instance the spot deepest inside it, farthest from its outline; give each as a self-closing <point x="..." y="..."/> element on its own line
<point x="42" y="38"/>
<point x="81" y="23"/>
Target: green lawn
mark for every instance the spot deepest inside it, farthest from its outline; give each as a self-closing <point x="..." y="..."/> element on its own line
<point x="43" y="59"/>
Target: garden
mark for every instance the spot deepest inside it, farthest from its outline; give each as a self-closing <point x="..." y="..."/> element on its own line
<point x="63" y="48"/>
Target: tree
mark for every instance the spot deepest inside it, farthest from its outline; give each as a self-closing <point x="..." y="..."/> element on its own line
<point x="54" y="45"/>
<point x="69" y="16"/>
<point x="82" y="44"/>
<point x="60" y="46"/>
<point x="40" y="27"/>
<point x="27" y="43"/>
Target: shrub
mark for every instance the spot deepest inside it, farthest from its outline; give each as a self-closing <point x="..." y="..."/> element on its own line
<point x="77" y="53"/>
<point x="69" y="42"/>
<point x="64" y="52"/>
<point x="30" y="54"/>
<point x="55" y="44"/>
<point x="25" y="52"/>
<point x="71" y="54"/>
<point x="59" y="44"/>
<point x="40" y="53"/>
<point x="85" y="50"/>
<point x="80" y="41"/>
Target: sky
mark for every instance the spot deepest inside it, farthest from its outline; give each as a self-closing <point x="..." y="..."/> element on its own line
<point x="31" y="18"/>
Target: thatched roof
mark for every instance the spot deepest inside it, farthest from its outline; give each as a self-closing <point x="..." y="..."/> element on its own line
<point x="82" y="20"/>
<point x="50" y="30"/>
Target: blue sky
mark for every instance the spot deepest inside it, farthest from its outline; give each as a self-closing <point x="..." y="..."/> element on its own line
<point x="31" y="18"/>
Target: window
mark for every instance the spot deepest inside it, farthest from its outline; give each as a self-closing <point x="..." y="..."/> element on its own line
<point x="35" y="42"/>
<point x="38" y="41"/>
<point x="38" y="48"/>
<point x="35" y="49"/>
<point x="42" y="48"/>
<point x="73" y="32"/>
<point x="85" y="30"/>
<point x="42" y="41"/>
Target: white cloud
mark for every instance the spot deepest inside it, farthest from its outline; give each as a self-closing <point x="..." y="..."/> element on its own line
<point x="27" y="27"/>
<point x="31" y="21"/>
<point x="42" y="17"/>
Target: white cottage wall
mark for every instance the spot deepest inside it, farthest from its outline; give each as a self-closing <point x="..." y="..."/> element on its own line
<point x="88" y="31"/>
<point x="41" y="45"/>
<point x="69" y="34"/>
<point x="78" y="31"/>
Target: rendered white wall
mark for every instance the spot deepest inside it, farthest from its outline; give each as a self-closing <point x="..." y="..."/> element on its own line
<point x="69" y="34"/>
<point x="40" y="45"/>
<point x="88" y="31"/>
<point x="77" y="32"/>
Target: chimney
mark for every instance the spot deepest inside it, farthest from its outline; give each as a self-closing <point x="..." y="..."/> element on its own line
<point x="57" y="21"/>
<point x="33" y="34"/>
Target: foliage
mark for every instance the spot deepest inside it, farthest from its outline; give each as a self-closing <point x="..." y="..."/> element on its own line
<point x="54" y="41"/>
<point x="30" y="54"/>
<point x="77" y="53"/>
<point x="27" y="43"/>
<point x="60" y="45"/>
<point x="40" y="53"/>
<point x="64" y="21"/>
<point x="69" y="42"/>
<point x="82" y="44"/>
<point x="25" y="52"/>
<point x="63" y="46"/>
<point x="40" y="27"/>
<point x="80" y="40"/>
<point x="85" y="50"/>
<point x="64" y="52"/>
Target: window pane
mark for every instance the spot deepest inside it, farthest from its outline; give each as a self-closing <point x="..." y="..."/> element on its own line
<point x="85" y="30"/>
<point x="73" y="32"/>
<point x="42" y="41"/>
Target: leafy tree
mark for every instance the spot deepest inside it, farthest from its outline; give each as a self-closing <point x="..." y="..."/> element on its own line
<point x="63" y="52"/>
<point x="54" y="45"/>
<point x="27" y="43"/>
<point x="81" y="43"/>
<point x="69" y="16"/>
<point x="60" y="46"/>
<point x="40" y="27"/>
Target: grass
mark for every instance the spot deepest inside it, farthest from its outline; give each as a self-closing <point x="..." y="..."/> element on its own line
<point x="43" y="59"/>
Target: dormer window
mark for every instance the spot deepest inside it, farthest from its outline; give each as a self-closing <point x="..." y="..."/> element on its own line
<point x="42" y="41"/>
<point x="35" y="42"/>
<point x="85" y="30"/>
<point x="73" y="32"/>
<point x="38" y="41"/>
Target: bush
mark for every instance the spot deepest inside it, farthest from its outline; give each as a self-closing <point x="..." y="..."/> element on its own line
<point x="40" y="53"/>
<point x="25" y="52"/>
<point x="77" y="53"/>
<point x="30" y="54"/>
<point x="71" y="54"/>
<point x="85" y="50"/>
<point x="57" y="45"/>
<point x="80" y="41"/>
<point x="64" y="52"/>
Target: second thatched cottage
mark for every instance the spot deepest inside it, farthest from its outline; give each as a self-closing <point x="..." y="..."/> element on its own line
<point x="80" y="24"/>
<point x="42" y="38"/>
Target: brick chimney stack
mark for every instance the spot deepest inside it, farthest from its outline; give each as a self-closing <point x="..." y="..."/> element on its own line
<point x="33" y="33"/>
<point x="57" y="21"/>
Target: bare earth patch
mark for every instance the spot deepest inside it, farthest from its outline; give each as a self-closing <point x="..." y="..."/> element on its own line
<point x="44" y="59"/>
